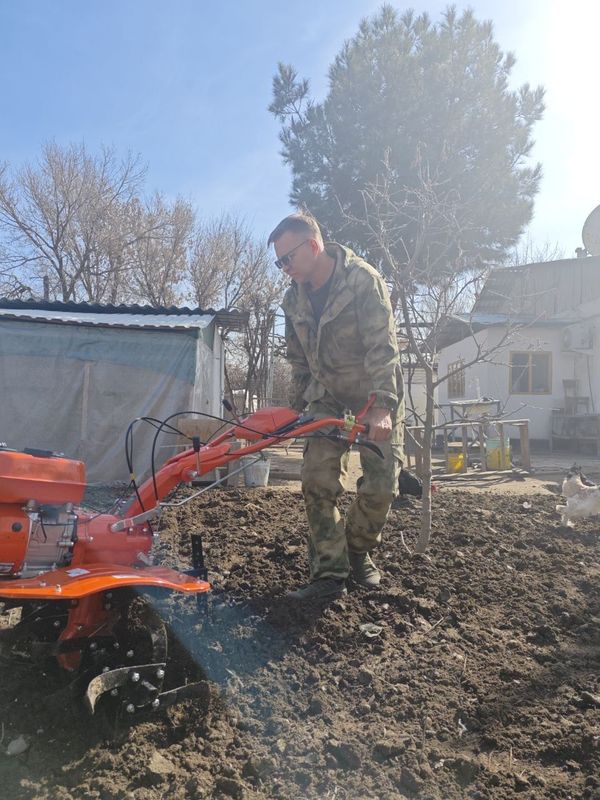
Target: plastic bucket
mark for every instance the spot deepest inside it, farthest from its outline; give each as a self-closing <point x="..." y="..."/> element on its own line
<point x="456" y="462"/>
<point x="257" y="473"/>
<point x="496" y="459"/>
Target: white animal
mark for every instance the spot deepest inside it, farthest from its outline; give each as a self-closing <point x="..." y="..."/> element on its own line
<point x="582" y="496"/>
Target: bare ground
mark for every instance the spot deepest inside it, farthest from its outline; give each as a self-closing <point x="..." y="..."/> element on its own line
<point x="482" y="681"/>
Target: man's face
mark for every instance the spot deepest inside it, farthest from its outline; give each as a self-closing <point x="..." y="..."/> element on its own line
<point x="301" y="252"/>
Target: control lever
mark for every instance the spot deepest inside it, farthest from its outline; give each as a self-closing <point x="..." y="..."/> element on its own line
<point x="336" y="436"/>
<point x="303" y="420"/>
<point x="365" y="408"/>
<point x="370" y="446"/>
<point x="228" y="407"/>
<point x="361" y="414"/>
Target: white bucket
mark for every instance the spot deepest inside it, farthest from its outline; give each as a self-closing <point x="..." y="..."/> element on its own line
<point x="257" y="473"/>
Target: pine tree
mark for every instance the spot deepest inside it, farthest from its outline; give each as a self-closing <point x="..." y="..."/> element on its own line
<point x="427" y="108"/>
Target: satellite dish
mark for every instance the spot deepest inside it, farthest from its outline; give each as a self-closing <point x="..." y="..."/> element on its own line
<point x="591" y="233"/>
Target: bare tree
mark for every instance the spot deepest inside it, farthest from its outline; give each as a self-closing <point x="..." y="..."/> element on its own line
<point x="255" y="347"/>
<point x="11" y="286"/>
<point x="282" y="377"/>
<point x="222" y="261"/>
<point x="59" y="219"/>
<point x="228" y="268"/>
<point x="529" y="252"/>
<point x="157" y="258"/>
<point x="430" y="283"/>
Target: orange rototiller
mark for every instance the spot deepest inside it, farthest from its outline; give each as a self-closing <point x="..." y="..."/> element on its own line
<point x="76" y="575"/>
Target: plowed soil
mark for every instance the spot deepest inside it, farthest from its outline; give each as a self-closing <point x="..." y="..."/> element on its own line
<point x="479" y="678"/>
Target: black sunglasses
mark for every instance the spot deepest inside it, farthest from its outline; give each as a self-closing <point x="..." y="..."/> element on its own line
<point x="286" y="260"/>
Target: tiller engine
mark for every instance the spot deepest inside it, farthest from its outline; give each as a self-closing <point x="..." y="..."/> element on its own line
<point x="74" y="578"/>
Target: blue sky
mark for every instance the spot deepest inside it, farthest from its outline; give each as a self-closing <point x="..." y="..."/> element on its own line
<point x="187" y="84"/>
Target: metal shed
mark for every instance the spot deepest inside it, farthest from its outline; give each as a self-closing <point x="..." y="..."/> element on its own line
<point x="74" y="375"/>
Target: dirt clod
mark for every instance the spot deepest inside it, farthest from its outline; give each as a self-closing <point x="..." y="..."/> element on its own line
<point x="159" y="765"/>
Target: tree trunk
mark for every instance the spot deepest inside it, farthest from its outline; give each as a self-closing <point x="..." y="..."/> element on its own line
<point x="425" y="533"/>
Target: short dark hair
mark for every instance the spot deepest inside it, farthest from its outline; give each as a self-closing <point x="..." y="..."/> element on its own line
<point x="300" y="222"/>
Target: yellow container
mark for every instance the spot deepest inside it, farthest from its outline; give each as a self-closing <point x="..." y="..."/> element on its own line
<point x="456" y="462"/>
<point x="496" y="459"/>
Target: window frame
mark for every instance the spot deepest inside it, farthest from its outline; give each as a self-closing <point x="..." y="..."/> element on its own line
<point x="456" y="372"/>
<point x="530" y="354"/>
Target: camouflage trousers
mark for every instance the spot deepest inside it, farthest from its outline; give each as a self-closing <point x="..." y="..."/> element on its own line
<point x="324" y="467"/>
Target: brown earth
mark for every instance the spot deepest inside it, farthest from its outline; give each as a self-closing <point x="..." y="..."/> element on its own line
<point x="481" y="683"/>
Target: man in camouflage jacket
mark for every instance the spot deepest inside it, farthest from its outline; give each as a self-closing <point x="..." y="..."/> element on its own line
<point x="342" y="347"/>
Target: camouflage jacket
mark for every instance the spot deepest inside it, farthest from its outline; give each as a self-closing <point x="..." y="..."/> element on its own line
<point x="352" y="353"/>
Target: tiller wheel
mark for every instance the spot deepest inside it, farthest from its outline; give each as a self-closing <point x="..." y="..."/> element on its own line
<point x="131" y="674"/>
<point x="122" y="668"/>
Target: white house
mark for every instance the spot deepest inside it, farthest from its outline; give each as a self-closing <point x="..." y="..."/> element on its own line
<point x="533" y="338"/>
<point x="415" y="394"/>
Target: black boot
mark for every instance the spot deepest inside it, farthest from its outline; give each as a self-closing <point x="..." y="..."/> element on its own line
<point x="320" y="589"/>
<point x="364" y="571"/>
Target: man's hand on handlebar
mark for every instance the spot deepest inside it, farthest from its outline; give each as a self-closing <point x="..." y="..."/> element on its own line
<point x="379" y="424"/>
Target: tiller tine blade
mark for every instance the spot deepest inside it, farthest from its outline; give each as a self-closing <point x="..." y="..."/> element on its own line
<point x="199" y="689"/>
<point x="137" y="687"/>
<point x="135" y="690"/>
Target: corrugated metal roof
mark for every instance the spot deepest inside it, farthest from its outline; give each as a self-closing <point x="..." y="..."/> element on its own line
<point x="102" y="308"/>
<point x="540" y="286"/>
<point x="583" y="313"/>
<point x="121" y="320"/>
<point x="500" y="288"/>
<point x="459" y="326"/>
<point x="129" y="316"/>
<point x="478" y="320"/>
<point x="485" y="319"/>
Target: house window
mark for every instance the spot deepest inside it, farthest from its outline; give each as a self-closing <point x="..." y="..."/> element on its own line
<point x="456" y="379"/>
<point x="530" y="373"/>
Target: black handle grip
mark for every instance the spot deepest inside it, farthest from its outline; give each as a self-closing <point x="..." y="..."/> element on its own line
<point x="34" y="451"/>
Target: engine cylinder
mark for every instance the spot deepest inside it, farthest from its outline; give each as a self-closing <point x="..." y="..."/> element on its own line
<point x="50" y="540"/>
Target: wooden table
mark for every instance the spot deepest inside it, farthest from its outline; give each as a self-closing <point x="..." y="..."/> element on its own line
<point x="416" y="433"/>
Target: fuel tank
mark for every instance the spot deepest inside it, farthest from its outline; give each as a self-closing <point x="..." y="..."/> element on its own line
<point x="41" y="476"/>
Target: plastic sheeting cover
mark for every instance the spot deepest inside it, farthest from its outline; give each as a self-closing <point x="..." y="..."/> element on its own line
<point x="75" y="389"/>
